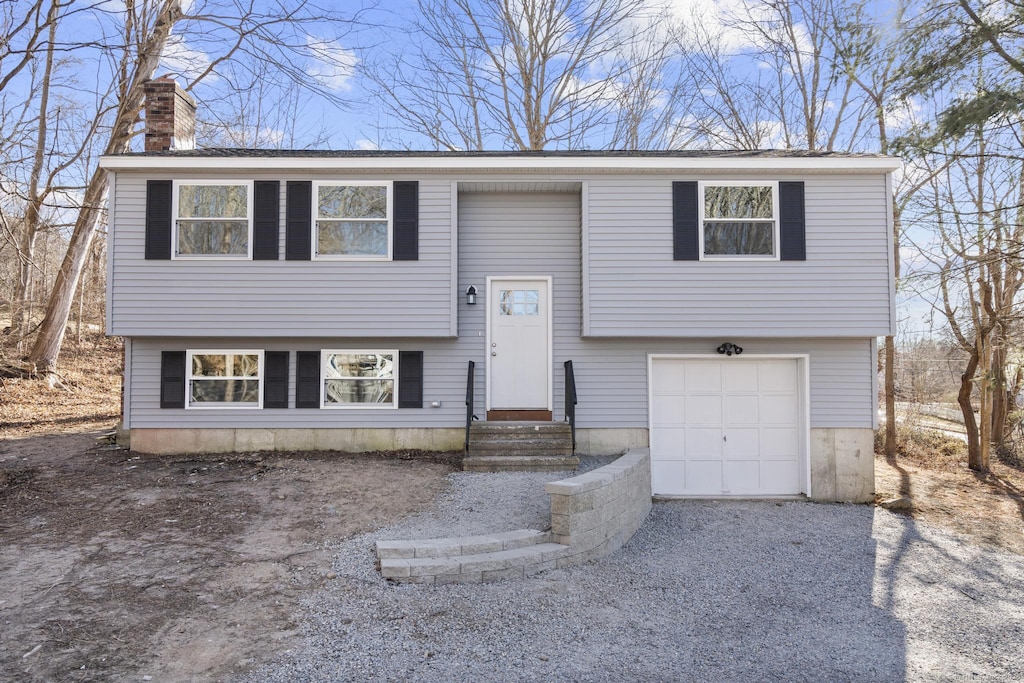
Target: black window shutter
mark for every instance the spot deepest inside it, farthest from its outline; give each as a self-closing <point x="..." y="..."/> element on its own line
<point x="410" y="379"/>
<point x="266" y="204"/>
<point x="406" y="239"/>
<point x="275" y="379"/>
<point x="299" y="225"/>
<point x="172" y="379"/>
<point x="158" y="219"/>
<point x="791" y="221"/>
<point x="307" y="379"/>
<point x="685" y="232"/>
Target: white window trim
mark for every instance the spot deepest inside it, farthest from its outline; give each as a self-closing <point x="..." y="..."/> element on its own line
<point x="223" y="352"/>
<point x="175" y="218"/>
<point x="738" y="183"/>
<point x="359" y="406"/>
<point x="315" y="213"/>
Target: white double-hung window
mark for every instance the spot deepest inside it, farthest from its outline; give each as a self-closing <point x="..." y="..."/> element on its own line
<point x="358" y="379"/>
<point x="352" y="220"/>
<point x="224" y="378"/>
<point x="212" y="218"/>
<point x="739" y="220"/>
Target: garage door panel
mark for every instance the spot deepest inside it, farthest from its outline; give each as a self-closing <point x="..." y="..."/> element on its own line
<point x="667" y="443"/>
<point x="743" y="476"/>
<point x="777" y="476"/>
<point x="703" y="376"/>
<point x="703" y="477"/>
<point x="780" y="443"/>
<point x="703" y="409"/>
<point x="777" y="409"/>
<point x="668" y="410"/>
<point x="726" y="427"/>
<point x="778" y="375"/>
<point x="667" y="477"/>
<point x="703" y="443"/>
<point x="742" y="409"/>
<point x="668" y="378"/>
<point x="740" y="376"/>
<point x="743" y="442"/>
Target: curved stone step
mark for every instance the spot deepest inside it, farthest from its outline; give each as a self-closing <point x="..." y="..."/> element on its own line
<point x="501" y="564"/>
<point x="519" y="463"/>
<point x="461" y="545"/>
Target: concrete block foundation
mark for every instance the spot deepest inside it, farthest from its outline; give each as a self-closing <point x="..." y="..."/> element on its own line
<point x="202" y="440"/>
<point x="842" y="465"/>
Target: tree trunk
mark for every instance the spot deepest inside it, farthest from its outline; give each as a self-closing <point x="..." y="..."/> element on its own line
<point x="984" y="406"/>
<point x="964" y="399"/>
<point x="58" y="308"/>
<point x="1000" y="402"/>
<point x="21" y="320"/>
<point x="890" y="398"/>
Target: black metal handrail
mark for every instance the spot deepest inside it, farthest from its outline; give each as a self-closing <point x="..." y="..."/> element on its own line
<point x="570" y="401"/>
<point x="469" y="402"/>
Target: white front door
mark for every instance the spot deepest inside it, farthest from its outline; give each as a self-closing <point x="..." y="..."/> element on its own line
<point x="726" y="427"/>
<point x="519" y="344"/>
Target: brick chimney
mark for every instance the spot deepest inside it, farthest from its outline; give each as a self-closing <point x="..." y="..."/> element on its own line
<point x="170" y="116"/>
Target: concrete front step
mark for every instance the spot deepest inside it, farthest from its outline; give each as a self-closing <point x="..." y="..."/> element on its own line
<point x="520" y="430"/>
<point x="519" y="463"/>
<point x="461" y="545"/>
<point x="501" y="564"/>
<point x="521" y="447"/>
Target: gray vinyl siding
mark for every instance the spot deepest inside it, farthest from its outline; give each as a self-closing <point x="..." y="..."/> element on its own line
<point x="611" y="378"/>
<point x="280" y="298"/>
<point x="517" y="234"/>
<point x="635" y="289"/>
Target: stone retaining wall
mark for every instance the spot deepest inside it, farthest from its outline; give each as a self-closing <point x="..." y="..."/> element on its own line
<point x="595" y="513"/>
<point x="592" y="515"/>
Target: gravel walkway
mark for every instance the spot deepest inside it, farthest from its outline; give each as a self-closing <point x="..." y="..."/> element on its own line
<point x="705" y="591"/>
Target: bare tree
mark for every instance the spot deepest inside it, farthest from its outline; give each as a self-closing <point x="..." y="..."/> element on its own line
<point x="295" y="42"/>
<point x="49" y="159"/>
<point x="654" y="91"/>
<point x="790" y="84"/>
<point x="977" y="203"/>
<point x="518" y="74"/>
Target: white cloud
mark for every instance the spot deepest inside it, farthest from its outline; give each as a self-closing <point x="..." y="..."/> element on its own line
<point x="366" y="145"/>
<point x="902" y="115"/>
<point x="186" y="61"/>
<point x="332" y="64"/>
<point x="721" y="22"/>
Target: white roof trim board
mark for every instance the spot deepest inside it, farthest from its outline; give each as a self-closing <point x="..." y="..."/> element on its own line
<point x="507" y="164"/>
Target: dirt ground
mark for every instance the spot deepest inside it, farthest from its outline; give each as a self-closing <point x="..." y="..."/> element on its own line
<point x="116" y="566"/>
<point x="986" y="509"/>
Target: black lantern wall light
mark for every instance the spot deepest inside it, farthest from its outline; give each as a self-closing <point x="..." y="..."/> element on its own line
<point x="728" y="348"/>
<point x="471" y="295"/>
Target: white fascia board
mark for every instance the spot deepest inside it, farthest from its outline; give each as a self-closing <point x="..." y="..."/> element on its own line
<point x="595" y="164"/>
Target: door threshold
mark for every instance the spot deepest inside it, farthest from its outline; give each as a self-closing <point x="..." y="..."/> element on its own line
<point x="519" y="416"/>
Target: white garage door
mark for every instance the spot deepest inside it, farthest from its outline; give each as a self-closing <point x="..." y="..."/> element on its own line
<point x="728" y="427"/>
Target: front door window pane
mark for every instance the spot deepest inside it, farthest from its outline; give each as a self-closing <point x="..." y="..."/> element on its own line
<point x="519" y="302"/>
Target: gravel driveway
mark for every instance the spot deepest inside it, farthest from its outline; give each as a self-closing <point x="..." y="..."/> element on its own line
<point x="705" y="591"/>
